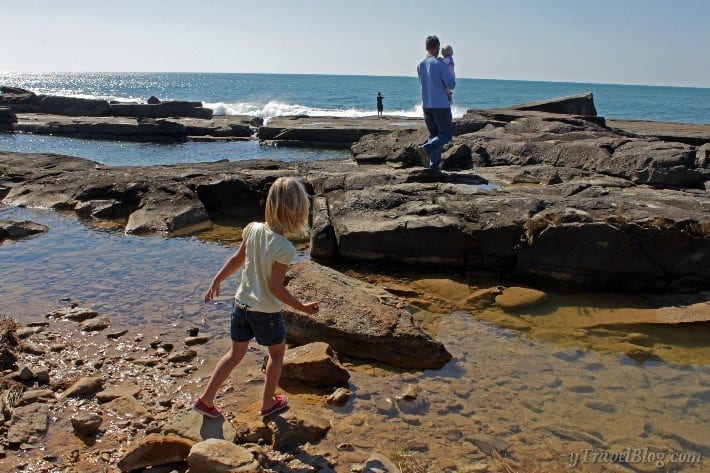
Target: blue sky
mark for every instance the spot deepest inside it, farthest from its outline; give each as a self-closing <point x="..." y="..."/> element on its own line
<point x="621" y="41"/>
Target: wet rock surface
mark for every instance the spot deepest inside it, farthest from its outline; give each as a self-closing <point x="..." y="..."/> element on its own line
<point x="358" y="319"/>
<point x="630" y="211"/>
<point x="10" y="230"/>
<point x="314" y="364"/>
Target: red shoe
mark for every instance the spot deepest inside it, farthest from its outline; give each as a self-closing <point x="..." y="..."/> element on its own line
<point x="281" y="403"/>
<point x="201" y="407"/>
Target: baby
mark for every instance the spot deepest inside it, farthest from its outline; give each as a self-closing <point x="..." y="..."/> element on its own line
<point x="448" y="52"/>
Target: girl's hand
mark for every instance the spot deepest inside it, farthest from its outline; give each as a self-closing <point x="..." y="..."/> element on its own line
<point x="212" y="291"/>
<point x="311" y="308"/>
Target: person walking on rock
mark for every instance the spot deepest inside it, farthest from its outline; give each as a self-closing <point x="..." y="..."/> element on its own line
<point x="435" y="80"/>
<point x="265" y="253"/>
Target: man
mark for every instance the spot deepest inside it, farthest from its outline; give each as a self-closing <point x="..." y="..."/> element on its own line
<point x="380" y="107"/>
<point x="435" y="80"/>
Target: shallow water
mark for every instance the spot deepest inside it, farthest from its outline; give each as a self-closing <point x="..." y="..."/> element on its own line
<point x="519" y="384"/>
<point x="123" y="153"/>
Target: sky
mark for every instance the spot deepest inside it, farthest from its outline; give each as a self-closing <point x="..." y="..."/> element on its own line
<point x="601" y="41"/>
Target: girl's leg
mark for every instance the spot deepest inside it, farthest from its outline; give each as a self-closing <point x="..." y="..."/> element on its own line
<point x="273" y="372"/>
<point x="224" y="366"/>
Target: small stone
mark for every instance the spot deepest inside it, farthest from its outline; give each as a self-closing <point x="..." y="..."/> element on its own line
<point x="86" y="425"/>
<point x="116" y="335"/>
<point x="191" y="341"/>
<point x="25" y="332"/>
<point x="601" y="406"/>
<point x="409" y="394"/>
<point x="42" y="375"/>
<point x="36" y="395"/>
<point x="182" y="356"/>
<point x="95" y="325"/>
<point x="490" y="444"/>
<point x="638" y="338"/>
<point x="165" y="401"/>
<point x="476" y="467"/>
<point x="517" y="298"/>
<point x="410" y="419"/>
<point x="25" y="374"/>
<point x="84" y="387"/>
<point x="192" y="332"/>
<point x="339" y="397"/>
<point x="122" y="390"/>
<point x="77" y="314"/>
<point x="345" y="447"/>
<point x="417" y="446"/>
<point x="32" y="348"/>
<point x="384" y="405"/>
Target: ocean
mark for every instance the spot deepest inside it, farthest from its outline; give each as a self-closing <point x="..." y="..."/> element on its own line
<point x="269" y="95"/>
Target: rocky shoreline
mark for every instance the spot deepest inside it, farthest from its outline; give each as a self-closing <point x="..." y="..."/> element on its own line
<point x="630" y="211"/>
<point x="88" y="396"/>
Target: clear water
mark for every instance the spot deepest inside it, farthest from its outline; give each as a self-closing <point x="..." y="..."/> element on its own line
<point x="517" y="386"/>
<point x="122" y="153"/>
<point x="269" y="95"/>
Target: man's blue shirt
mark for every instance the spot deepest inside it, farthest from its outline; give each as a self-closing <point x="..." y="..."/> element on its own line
<point x="434" y="76"/>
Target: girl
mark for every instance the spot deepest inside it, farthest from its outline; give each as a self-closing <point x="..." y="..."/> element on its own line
<point x="265" y="253"/>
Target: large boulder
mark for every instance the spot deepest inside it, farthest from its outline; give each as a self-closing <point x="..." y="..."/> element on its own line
<point x="170" y="213"/>
<point x="73" y="106"/>
<point x="7" y="118"/>
<point x="19" y="100"/>
<point x="582" y="104"/>
<point x="16" y="230"/>
<point x="333" y="131"/>
<point x="358" y="319"/>
<point x="596" y="254"/>
<point x="161" y="110"/>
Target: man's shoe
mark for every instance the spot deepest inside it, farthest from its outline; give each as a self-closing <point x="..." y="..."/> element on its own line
<point x="421" y="157"/>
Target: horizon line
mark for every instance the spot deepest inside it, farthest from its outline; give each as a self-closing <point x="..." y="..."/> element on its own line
<point x="360" y="75"/>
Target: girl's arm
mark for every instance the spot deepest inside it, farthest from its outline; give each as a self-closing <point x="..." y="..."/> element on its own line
<point x="277" y="288"/>
<point x="230" y="266"/>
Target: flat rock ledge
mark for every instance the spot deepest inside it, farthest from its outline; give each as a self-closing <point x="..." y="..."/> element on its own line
<point x="358" y="319"/>
<point x="554" y="200"/>
<point x="11" y="230"/>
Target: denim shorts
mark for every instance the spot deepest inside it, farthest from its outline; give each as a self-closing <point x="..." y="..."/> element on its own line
<point x="268" y="328"/>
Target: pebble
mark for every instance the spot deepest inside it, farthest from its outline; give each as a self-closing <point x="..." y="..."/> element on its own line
<point x="339" y="397"/>
<point x="86" y="424"/>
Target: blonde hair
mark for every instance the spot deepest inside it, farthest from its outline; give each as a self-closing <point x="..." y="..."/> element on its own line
<point x="287" y="206"/>
<point x="447" y="50"/>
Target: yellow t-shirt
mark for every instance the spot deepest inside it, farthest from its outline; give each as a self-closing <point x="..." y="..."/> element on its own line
<point x="263" y="248"/>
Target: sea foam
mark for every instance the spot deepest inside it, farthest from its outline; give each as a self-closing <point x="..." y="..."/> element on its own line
<point x="278" y="109"/>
